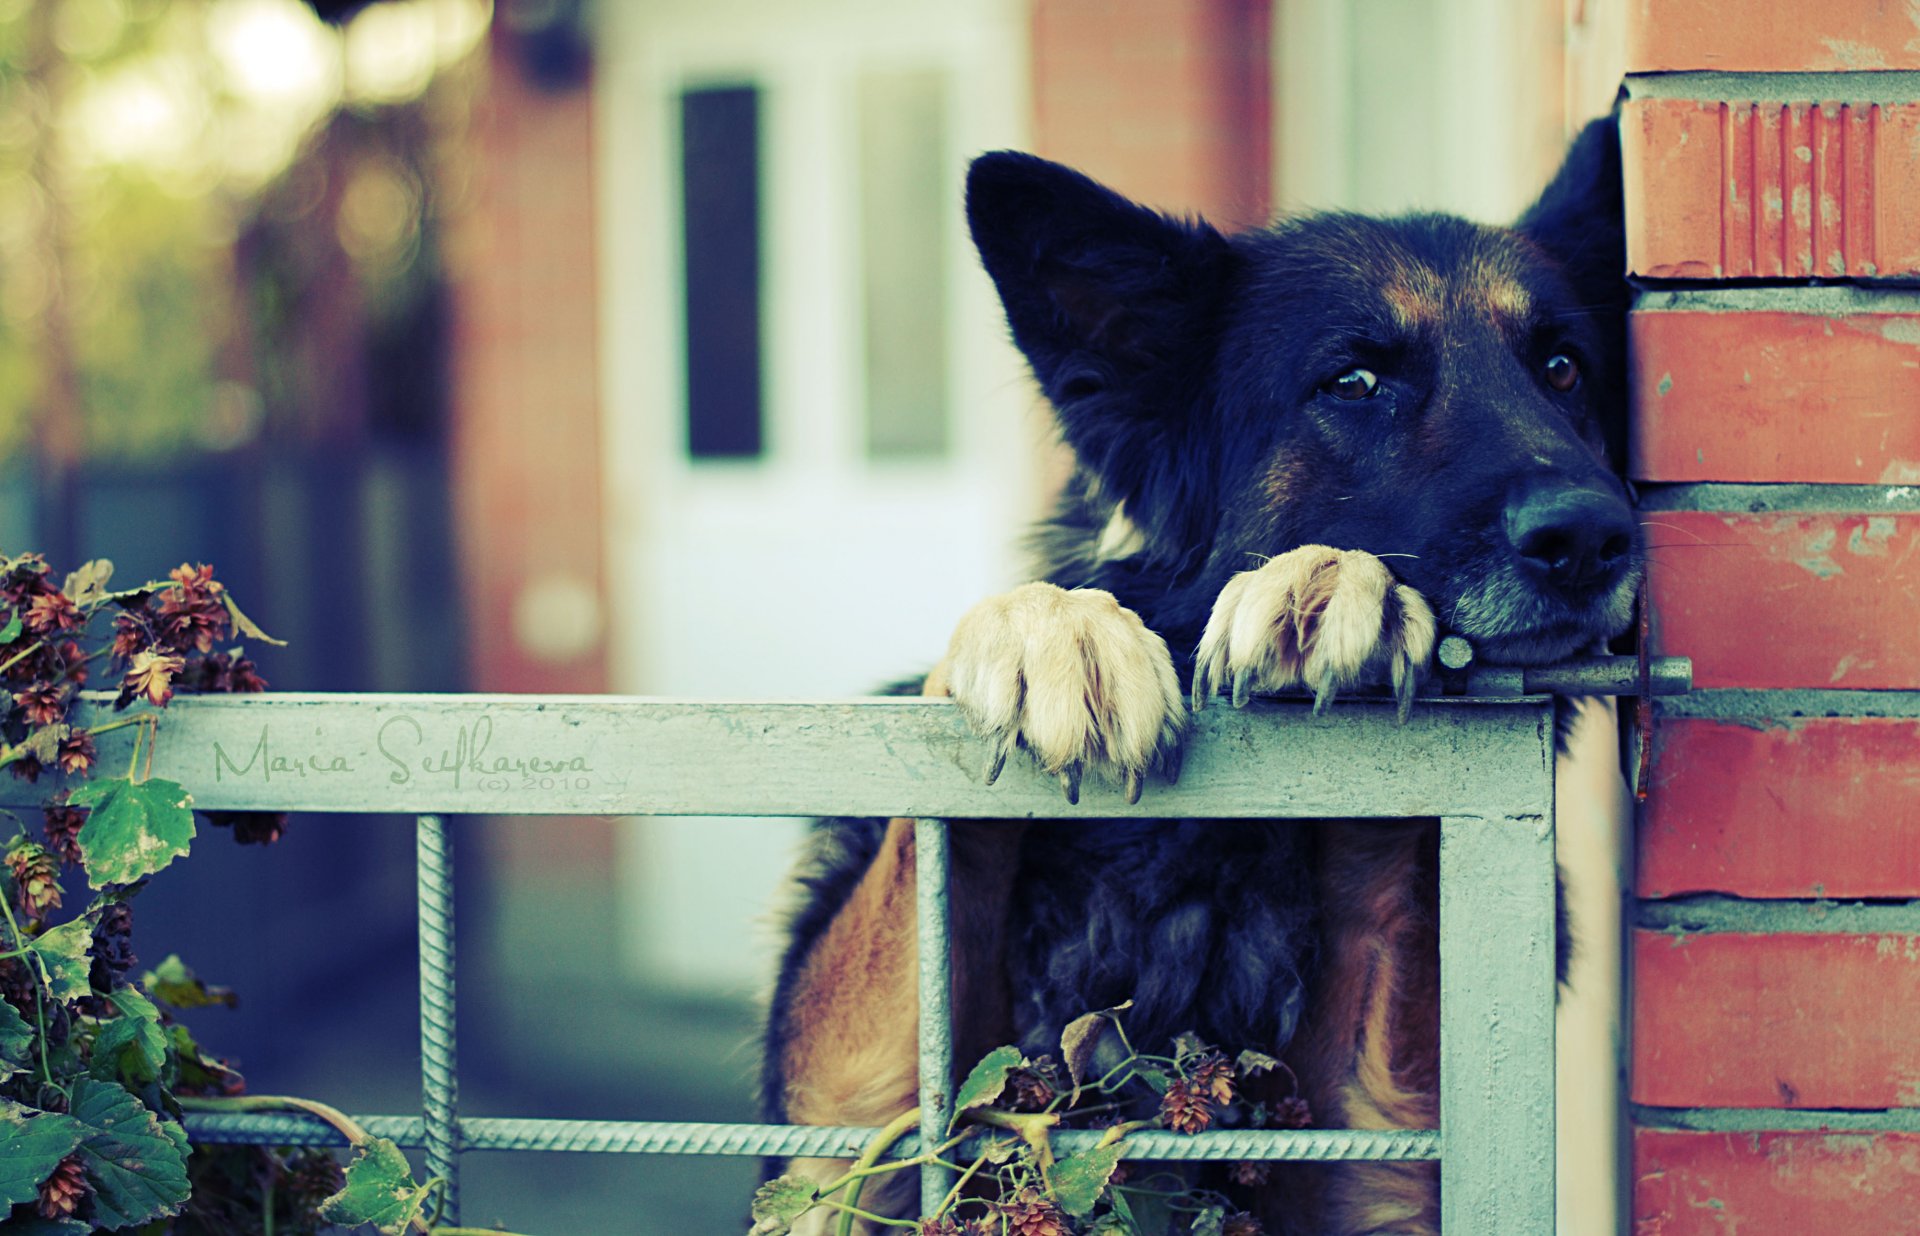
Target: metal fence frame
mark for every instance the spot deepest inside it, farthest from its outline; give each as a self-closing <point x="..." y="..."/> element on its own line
<point x="1483" y="763"/>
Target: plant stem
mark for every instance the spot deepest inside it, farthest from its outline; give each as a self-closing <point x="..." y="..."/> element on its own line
<point x="117" y="724"/>
<point x="848" y="1215"/>
<point x="863" y="1166"/>
<point x="266" y="1208"/>
<point x="953" y="1194"/>
<point x="349" y="1128"/>
<point x="40" y="970"/>
<point x="22" y="655"/>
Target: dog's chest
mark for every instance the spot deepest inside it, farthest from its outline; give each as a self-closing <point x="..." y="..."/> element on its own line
<point x="1206" y="927"/>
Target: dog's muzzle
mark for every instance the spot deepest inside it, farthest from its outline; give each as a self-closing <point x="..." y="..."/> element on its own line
<point x="1573" y="538"/>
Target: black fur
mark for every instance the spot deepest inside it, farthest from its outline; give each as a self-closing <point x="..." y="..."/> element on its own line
<point x="1190" y="372"/>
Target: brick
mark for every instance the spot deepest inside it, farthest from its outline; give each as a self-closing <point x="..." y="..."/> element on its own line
<point x="1776" y="396"/>
<point x="1774" y="1184"/>
<point x="1772" y="36"/>
<point x="1787" y="599"/>
<point x="1737" y="190"/>
<point x="1799" y="807"/>
<point x="1808" y="1020"/>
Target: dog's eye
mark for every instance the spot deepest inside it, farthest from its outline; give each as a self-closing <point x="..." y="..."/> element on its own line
<point x="1563" y="372"/>
<point x="1353" y="385"/>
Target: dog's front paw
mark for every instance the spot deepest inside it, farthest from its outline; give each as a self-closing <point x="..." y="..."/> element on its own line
<point x="1073" y="677"/>
<point x="1319" y="617"/>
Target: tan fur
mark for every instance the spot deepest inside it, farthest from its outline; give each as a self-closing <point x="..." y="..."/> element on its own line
<point x="1368" y="1048"/>
<point x="1414" y="294"/>
<point x="1317" y="617"/>
<point x="1072" y="676"/>
<point x="1491" y="286"/>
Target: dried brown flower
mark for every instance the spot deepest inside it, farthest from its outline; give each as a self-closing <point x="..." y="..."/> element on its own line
<point x="43" y="703"/>
<point x="62" y="1192"/>
<point x="1250" y="1173"/>
<point x="1242" y="1224"/>
<point x="1292" y="1113"/>
<point x="36" y="877"/>
<point x="77" y="753"/>
<point x="1213" y="1074"/>
<point x="1184" y="1108"/>
<point x="1030" y="1214"/>
<point x="130" y="636"/>
<point x="62" y="824"/>
<point x="51" y="612"/>
<point x="151" y="675"/>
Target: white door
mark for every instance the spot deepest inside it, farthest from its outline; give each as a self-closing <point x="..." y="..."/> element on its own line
<point x="819" y="444"/>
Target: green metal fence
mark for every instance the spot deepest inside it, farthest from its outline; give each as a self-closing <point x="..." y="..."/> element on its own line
<point x="1481" y="761"/>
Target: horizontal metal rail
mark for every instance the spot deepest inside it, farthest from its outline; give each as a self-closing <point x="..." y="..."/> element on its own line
<point x="808" y="1141"/>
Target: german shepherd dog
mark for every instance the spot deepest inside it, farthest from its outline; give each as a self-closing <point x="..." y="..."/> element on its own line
<point x="1303" y="454"/>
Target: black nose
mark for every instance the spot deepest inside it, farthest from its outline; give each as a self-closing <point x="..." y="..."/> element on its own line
<point x="1571" y="536"/>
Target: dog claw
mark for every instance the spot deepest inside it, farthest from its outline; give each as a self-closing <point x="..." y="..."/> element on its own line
<point x="1070" y="782"/>
<point x="997" y="763"/>
<point x="1170" y="763"/>
<point x="1323" y="699"/>
<point x="1242" y="688"/>
<point x="1135" y="779"/>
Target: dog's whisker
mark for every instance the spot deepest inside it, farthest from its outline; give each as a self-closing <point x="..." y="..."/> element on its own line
<point x="1396" y="555"/>
<point x="1654" y="523"/>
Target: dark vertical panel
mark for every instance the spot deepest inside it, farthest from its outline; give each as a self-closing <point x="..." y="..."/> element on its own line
<point x="906" y="199"/>
<point x="720" y="175"/>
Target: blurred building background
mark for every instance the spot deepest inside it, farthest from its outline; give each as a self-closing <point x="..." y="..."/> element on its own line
<point x="631" y="347"/>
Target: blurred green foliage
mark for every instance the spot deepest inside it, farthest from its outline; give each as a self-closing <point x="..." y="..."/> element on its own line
<point x="225" y="212"/>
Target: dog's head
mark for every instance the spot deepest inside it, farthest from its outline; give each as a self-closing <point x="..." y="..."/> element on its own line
<point x="1440" y="393"/>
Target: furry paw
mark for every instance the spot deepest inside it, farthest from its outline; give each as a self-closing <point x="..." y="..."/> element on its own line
<point x="1074" y="678"/>
<point x="1319" y="617"/>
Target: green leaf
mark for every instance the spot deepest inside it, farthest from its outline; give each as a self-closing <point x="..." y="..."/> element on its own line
<point x="1208" y="1222"/>
<point x="1146" y="1214"/>
<point x="1078" y="1180"/>
<point x="200" y="1073"/>
<point x="380" y="1190"/>
<point x="11" y="631"/>
<point x="63" y="951"/>
<point x="777" y="1203"/>
<point x="1253" y="1063"/>
<point x="247" y="626"/>
<point x="136" y="1161"/>
<point x="135" y="828"/>
<point x="44" y="743"/>
<point x="1080" y="1038"/>
<point x="32" y="1143"/>
<point x="1154" y="1077"/>
<point x="987" y="1080"/>
<point x="177" y="986"/>
<point x="16" y="1042"/>
<point x="134" y="1044"/>
<point x="89" y="583"/>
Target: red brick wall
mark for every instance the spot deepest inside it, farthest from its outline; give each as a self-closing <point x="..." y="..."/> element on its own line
<point x="526" y="425"/>
<point x="1775" y="1059"/>
<point x="526" y="436"/>
<point x="1167" y="103"/>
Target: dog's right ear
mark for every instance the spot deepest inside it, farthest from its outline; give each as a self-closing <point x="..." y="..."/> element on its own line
<point x="1114" y="305"/>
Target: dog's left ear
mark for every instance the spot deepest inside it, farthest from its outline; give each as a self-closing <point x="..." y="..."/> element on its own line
<point x="1580" y="221"/>
<point x="1581" y="217"/>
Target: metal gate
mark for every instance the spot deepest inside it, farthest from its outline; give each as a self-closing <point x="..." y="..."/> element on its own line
<point x="1481" y="761"/>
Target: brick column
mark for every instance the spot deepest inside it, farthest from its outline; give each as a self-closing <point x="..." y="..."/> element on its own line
<point x="1773" y="191"/>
